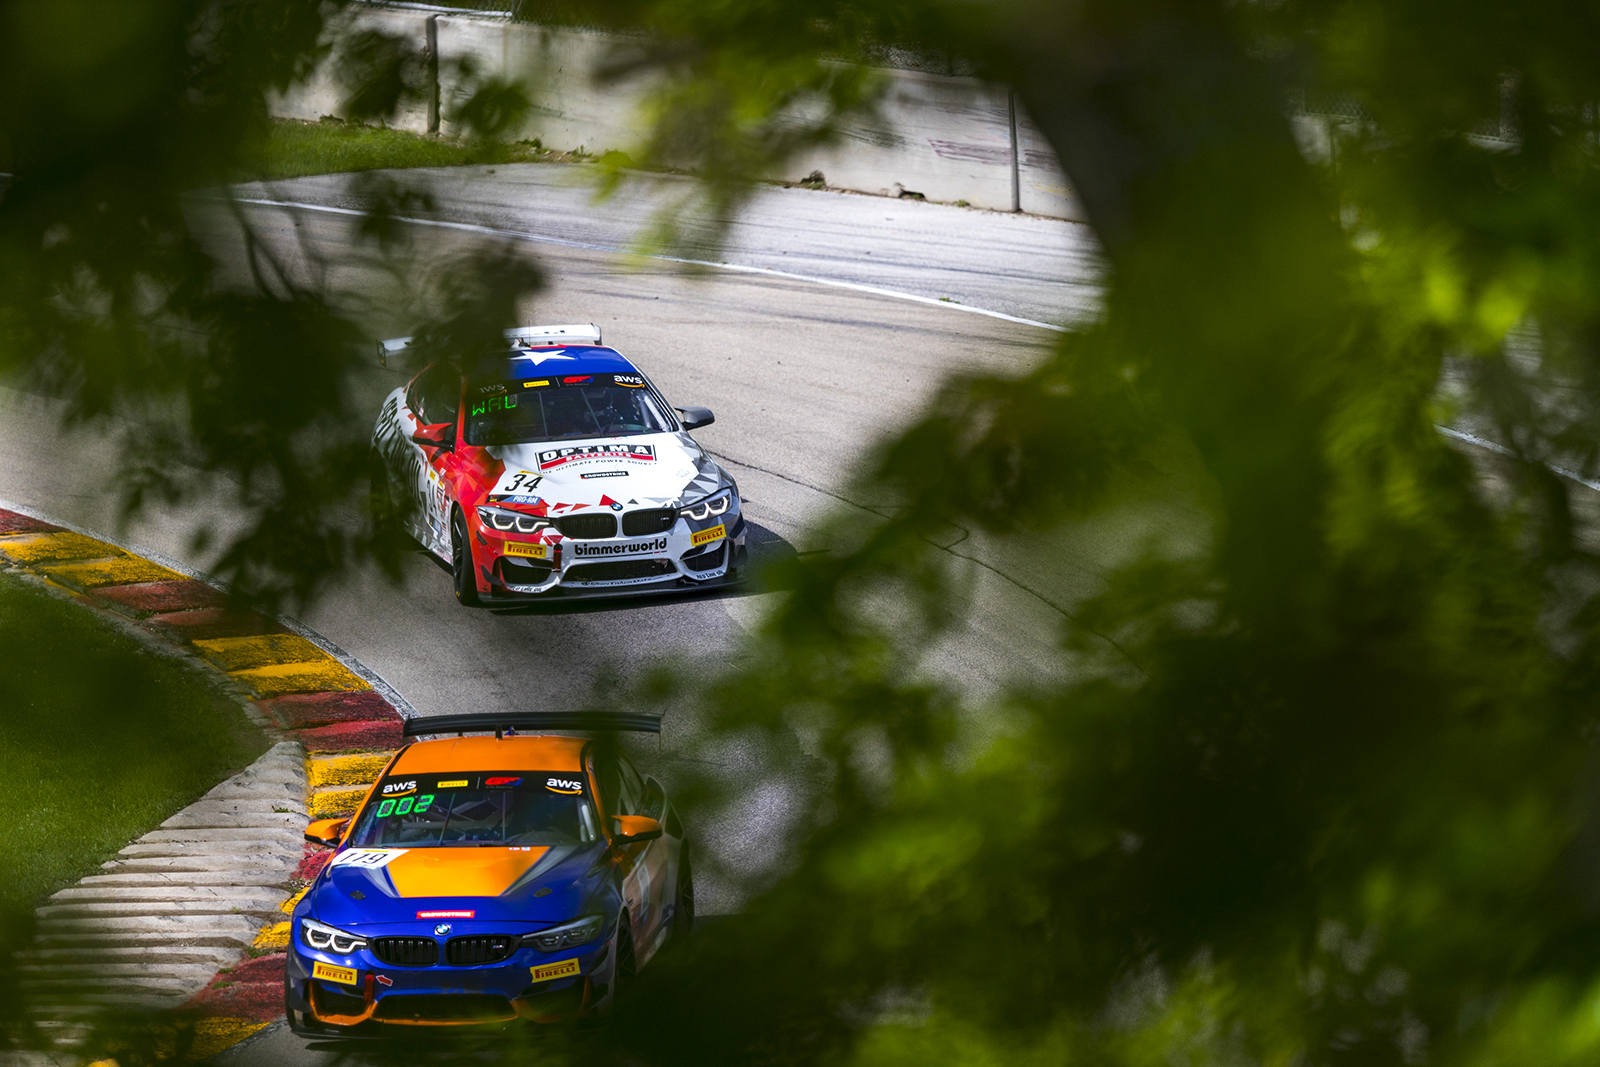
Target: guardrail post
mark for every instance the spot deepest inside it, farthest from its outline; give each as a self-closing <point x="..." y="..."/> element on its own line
<point x="1016" y="163"/>
<point x="433" y="73"/>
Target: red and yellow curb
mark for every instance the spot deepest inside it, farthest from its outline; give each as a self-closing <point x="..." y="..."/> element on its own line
<point x="306" y="694"/>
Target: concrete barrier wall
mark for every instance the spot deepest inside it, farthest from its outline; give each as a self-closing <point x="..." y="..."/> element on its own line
<point x="322" y="94"/>
<point x="947" y="138"/>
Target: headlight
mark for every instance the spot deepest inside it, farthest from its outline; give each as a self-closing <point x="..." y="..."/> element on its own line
<point x="577" y="932"/>
<point x="715" y="504"/>
<point x="501" y="519"/>
<point x="328" y="938"/>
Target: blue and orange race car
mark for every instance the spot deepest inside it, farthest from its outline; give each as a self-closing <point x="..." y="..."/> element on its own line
<point x="487" y="879"/>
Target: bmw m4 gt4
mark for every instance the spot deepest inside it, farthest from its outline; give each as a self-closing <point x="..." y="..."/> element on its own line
<point x="486" y="880"/>
<point x="555" y="467"/>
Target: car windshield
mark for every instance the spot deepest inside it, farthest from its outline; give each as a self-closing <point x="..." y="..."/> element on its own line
<point x="462" y="810"/>
<point x="554" y="409"/>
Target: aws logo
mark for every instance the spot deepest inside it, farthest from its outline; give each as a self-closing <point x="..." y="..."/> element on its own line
<point x="563" y="785"/>
<point x="398" y="787"/>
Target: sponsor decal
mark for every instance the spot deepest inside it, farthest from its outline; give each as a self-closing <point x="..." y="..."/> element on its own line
<point x="563" y="785"/>
<point x="600" y="549"/>
<point x="705" y="537"/>
<point x="535" y="385"/>
<point x="457" y="783"/>
<point x="554" y="970"/>
<point x="501" y="783"/>
<point x="457" y="914"/>
<point x="399" y="787"/>
<point x="521" y="548"/>
<point x="369" y="858"/>
<point x="489" y="390"/>
<point x="555" y="457"/>
<point x="631" y="380"/>
<point x="577" y="379"/>
<point x="329" y="973"/>
<point x="605" y="474"/>
<point x="520" y="482"/>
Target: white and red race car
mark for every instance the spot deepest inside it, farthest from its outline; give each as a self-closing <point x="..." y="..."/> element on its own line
<point x="554" y="468"/>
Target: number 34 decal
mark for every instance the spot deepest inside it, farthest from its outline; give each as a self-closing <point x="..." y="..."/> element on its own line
<point x="522" y="481"/>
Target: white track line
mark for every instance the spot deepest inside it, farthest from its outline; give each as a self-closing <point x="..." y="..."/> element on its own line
<point x="1499" y="449"/>
<point x="468" y="227"/>
<point x="519" y="235"/>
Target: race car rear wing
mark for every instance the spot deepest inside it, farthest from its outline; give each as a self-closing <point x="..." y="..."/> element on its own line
<point x="586" y="333"/>
<point x="511" y="721"/>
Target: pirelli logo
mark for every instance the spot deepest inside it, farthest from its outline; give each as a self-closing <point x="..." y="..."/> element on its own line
<point x="522" y="548"/>
<point x="705" y="537"/>
<point x="563" y="969"/>
<point x="343" y="975"/>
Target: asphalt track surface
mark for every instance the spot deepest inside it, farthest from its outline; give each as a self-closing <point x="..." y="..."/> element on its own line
<point x="806" y="379"/>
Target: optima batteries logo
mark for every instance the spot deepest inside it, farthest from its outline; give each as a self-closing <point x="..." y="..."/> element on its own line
<point x="588" y="549"/>
<point x="555" y="457"/>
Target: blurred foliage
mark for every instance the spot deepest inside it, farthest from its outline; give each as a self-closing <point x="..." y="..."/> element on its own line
<point x="107" y="137"/>
<point x="1321" y="791"/>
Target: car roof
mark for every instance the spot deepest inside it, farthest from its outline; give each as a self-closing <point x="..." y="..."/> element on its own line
<point x="522" y="752"/>
<point x="563" y="360"/>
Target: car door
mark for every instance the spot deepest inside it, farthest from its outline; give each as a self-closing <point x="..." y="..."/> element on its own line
<point x="640" y="865"/>
<point x="655" y="887"/>
<point x="434" y="398"/>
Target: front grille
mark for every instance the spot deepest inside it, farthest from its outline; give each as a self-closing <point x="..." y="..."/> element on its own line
<point x="707" y="561"/>
<point x="406" y="951"/>
<point x="620" y="570"/>
<point x="484" y="948"/>
<point x="649" y="521"/>
<point x="587" y="527"/>
<point x="445" y="1007"/>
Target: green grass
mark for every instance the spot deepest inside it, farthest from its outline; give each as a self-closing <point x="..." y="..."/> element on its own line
<point x="294" y="149"/>
<point x="100" y="741"/>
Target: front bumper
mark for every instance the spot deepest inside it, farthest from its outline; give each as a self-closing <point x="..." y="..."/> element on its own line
<point x="366" y="996"/>
<point x="670" y="562"/>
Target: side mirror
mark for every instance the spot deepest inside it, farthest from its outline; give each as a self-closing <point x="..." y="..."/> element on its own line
<point x="631" y="828"/>
<point x="439" y="435"/>
<point x="327" y="832"/>
<point x="694" y="418"/>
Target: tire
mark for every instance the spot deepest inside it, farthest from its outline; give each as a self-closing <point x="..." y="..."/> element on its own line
<point x="610" y="1016"/>
<point x="683" y="900"/>
<point x="461" y="564"/>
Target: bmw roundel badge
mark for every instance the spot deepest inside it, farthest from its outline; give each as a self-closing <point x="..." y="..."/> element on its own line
<point x="442" y="929"/>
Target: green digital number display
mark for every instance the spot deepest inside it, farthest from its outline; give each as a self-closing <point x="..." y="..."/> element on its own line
<point x="405" y="806"/>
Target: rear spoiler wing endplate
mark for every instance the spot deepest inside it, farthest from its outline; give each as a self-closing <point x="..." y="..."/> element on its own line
<point x="635" y="722"/>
